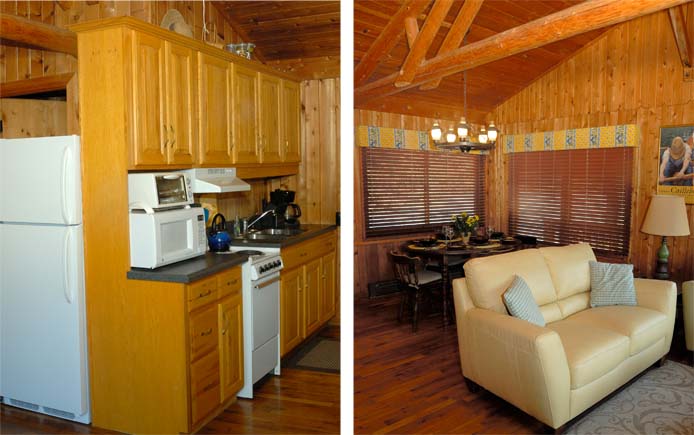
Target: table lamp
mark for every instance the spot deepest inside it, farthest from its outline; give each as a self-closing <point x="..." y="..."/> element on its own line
<point x="666" y="216"/>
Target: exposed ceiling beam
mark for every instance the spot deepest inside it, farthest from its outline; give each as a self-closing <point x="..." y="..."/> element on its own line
<point x="679" y="28"/>
<point x="424" y="39"/>
<point x="36" y="85"/>
<point x="584" y="17"/>
<point x="457" y="33"/>
<point x="385" y="42"/>
<point x="37" y="34"/>
<point x="411" y="30"/>
<point x="257" y="51"/>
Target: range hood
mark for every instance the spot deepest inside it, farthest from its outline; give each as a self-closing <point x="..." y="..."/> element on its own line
<point x="216" y="180"/>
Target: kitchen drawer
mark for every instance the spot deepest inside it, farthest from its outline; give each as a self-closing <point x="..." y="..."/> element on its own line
<point x="204" y="383"/>
<point x="202" y="292"/>
<point x="229" y="283"/>
<point x="304" y="252"/>
<point x="203" y="332"/>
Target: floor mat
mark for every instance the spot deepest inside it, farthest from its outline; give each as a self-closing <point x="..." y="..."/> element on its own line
<point x="319" y="354"/>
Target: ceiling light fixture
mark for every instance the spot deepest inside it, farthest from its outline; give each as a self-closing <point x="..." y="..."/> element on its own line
<point x="485" y="139"/>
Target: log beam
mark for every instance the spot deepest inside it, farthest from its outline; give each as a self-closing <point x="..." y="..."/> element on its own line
<point x="36" y="85"/>
<point x="423" y="42"/>
<point x="584" y="17"/>
<point x="456" y="33"/>
<point x="36" y="34"/>
<point x="679" y="28"/>
<point x="411" y="30"/>
<point x="385" y="42"/>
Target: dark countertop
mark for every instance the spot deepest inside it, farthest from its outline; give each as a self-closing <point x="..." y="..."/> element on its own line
<point x="310" y="232"/>
<point x="200" y="267"/>
<point x="189" y="270"/>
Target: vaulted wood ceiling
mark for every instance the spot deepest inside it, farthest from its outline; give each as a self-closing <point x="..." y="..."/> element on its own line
<point x="488" y="84"/>
<point x="298" y="36"/>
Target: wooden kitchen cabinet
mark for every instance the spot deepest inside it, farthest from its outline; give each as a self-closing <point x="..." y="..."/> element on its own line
<point x="291" y="309"/>
<point x="245" y="121"/>
<point x="269" y="118"/>
<point x="230" y="346"/>
<point x="329" y="287"/>
<point x="163" y="106"/>
<point x="291" y="118"/>
<point x="307" y="289"/>
<point x="215" y="111"/>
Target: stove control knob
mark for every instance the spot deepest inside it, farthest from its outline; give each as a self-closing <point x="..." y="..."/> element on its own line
<point x="278" y="263"/>
<point x="262" y="269"/>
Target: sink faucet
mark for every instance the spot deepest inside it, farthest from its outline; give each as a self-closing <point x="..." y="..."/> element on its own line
<point x="256" y="220"/>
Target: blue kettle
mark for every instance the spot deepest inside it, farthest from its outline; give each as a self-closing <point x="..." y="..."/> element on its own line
<point x="218" y="238"/>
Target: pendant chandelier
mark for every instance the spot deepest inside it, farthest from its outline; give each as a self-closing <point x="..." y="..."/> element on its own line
<point x="460" y="137"/>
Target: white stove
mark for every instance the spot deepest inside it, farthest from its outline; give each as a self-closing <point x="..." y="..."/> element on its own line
<point x="261" y="315"/>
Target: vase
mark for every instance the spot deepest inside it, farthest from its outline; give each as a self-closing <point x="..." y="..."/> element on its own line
<point x="466" y="238"/>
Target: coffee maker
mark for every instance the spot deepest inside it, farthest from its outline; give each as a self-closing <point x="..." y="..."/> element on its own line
<point x="287" y="212"/>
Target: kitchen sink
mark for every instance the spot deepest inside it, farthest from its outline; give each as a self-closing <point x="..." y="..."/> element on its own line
<point x="281" y="232"/>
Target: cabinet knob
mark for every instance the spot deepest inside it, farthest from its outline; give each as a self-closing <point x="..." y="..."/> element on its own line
<point x="224" y="332"/>
<point x="207" y="293"/>
<point x="208" y="332"/>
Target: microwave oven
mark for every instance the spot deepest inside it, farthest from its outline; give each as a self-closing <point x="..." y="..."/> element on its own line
<point x="166" y="236"/>
<point x="157" y="190"/>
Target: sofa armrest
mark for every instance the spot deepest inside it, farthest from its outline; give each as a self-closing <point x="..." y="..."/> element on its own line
<point x="660" y="296"/>
<point x="518" y="361"/>
<point x="656" y="294"/>
<point x="688" y="308"/>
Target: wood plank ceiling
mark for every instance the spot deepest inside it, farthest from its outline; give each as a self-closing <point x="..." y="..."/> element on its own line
<point x="302" y="37"/>
<point x="487" y="85"/>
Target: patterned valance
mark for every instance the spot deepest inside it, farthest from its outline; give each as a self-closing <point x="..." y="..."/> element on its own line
<point x="383" y="137"/>
<point x="625" y="135"/>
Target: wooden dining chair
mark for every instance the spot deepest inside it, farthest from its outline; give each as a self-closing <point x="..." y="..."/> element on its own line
<point x="414" y="282"/>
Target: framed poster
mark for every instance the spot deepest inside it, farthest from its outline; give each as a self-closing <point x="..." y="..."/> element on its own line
<point x="676" y="162"/>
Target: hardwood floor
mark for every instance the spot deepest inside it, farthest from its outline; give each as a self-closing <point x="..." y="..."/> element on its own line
<point x="299" y="401"/>
<point x="408" y="382"/>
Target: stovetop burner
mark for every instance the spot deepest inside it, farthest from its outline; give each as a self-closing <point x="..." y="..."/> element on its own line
<point x="249" y="252"/>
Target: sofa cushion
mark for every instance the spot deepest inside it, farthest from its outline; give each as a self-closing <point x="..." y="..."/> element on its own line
<point x="488" y="278"/>
<point x="568" y="266"/>
<point x="520" y="303"/>
<point x="643" y="326"/>
<point x="591" y="351"/>
<point x="611" y="284"/>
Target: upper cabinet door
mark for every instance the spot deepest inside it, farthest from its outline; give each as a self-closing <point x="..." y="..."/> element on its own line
<point x="245" y="115"/>
<point x="291" y="118"/>
<point x="148" y="140"/>
<point x="181" y="124"/>
<point x="269" y="118"/>
<point x="215" y="110"/>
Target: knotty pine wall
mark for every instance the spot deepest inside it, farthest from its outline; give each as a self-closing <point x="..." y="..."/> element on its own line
<point x="631" y="75"/>
<point x="23" y="63"/>
<point x="371" y="262"/>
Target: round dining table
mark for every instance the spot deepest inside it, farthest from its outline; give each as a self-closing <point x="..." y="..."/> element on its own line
<point x="444" y="251"/>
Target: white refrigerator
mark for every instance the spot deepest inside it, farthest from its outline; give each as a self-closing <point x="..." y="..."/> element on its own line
<point x="43" y="342"/>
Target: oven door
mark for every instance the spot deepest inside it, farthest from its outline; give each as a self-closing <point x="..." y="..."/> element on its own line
<point x="266" y="309"/>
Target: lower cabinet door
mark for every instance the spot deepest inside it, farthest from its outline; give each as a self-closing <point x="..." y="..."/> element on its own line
<point x="291" y="291"/>
<point x="204" y="380"/>
<point x="230" y="347"/>
<point x="328" y="284"/>
<point x="312" y="296"/>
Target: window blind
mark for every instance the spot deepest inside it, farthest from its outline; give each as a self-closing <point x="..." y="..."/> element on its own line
<point x="415" y="191"/>
<point x="572" y="196"/>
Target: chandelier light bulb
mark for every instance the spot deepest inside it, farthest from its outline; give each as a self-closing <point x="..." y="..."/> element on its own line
<point x="436" y="132"/>
<point x="483" y="136"/>
<point x="462" y="128"/>
<point x="450" y="136"/>
<point x="493" y="133"/>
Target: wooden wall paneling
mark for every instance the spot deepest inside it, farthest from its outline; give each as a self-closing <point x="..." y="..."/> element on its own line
<point x="49" y="57"/>
<point x="32" y="118"/>
<point x="329" y="153"/>
<point x="309" y="181"/>
<point x="632" y="74"/>
<point x="10" y="58"/>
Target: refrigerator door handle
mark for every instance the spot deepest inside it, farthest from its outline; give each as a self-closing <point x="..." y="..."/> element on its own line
<point x="66" y="278"/>
<point x="63" y="186"/>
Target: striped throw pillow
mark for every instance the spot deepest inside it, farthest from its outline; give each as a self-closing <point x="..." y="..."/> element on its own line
<point x="520" y="302"/>
<point x="611" y="284"/>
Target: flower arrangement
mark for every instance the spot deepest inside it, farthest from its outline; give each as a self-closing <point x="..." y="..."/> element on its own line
<point x="464" y="223"/>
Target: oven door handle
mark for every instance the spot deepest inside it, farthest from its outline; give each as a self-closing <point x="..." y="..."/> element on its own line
<point x="266" y="283"/>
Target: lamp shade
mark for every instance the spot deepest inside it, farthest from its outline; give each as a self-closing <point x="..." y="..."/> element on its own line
<point x="666" y="216"/>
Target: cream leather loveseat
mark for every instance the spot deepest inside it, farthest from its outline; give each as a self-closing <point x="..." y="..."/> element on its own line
<point x="556" y="372"/>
